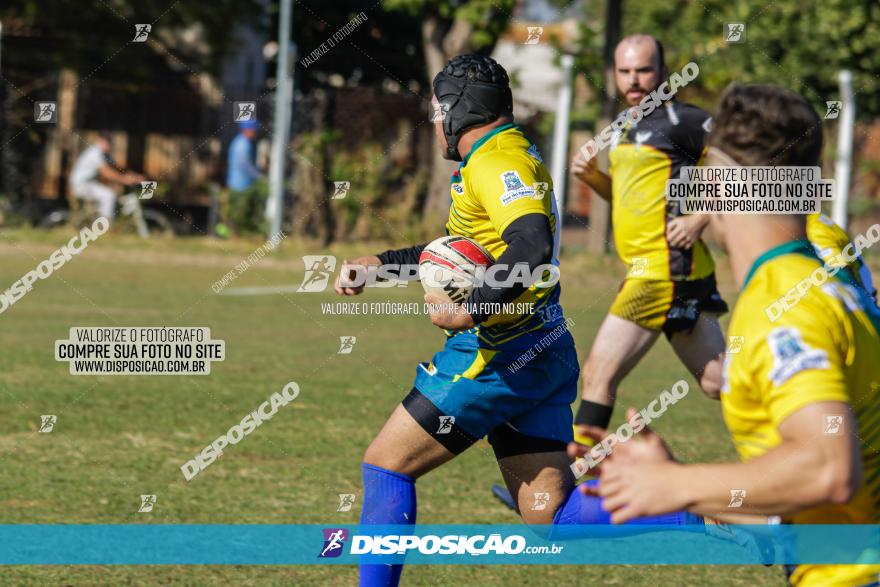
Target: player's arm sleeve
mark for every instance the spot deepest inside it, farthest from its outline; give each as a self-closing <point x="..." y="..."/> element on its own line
<point x="407" y="256"/>
<point x="803" y="364"/>
<point x="529" y="241"/>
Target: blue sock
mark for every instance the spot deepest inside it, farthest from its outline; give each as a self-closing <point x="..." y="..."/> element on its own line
<point x="582" y="509"/>
<point x="389" y="498"/>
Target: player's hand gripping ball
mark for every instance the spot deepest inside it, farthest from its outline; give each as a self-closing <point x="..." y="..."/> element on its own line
<point x="450" y="266"/>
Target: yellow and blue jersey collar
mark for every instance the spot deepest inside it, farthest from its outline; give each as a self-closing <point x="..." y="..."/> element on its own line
<point x="485" y="138"/>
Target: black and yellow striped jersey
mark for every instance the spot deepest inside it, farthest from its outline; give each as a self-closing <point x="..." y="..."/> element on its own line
<point x="644" y="156"/>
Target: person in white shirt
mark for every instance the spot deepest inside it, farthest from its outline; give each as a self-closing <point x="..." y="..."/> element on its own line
<point x="93" y="170"/>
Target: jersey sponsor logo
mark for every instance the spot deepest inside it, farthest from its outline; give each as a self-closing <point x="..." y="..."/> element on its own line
<point x="792" y="355"/>
<point x="643" y="136"/>
<point x="511" y="181"/>
<point x="514" y="188"/>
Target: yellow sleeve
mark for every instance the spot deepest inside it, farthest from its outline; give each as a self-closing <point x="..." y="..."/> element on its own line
<point x="509" y="187"/>
<point x="828" y="238"/>
<point x="799" y="363"/>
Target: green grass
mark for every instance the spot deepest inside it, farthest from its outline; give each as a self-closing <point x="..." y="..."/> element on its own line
<point x="118" y="437"/>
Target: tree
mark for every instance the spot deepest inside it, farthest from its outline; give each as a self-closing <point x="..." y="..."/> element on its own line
<point x="81" y="39"/>
<point x="800" y="45"/>
<point x="450" y="28"/>
<point x="47" y="40"/>
<point x="387" y="46"/>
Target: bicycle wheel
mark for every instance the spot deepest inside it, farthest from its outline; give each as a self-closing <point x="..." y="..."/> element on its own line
<point x="54" y="219"/>
<point x="157" y="223"/>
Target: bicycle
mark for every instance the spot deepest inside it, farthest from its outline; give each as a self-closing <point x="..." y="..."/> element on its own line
<point x="131" y="216"/>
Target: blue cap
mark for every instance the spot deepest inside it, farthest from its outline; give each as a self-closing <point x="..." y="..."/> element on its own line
<point x="248" y="124"/>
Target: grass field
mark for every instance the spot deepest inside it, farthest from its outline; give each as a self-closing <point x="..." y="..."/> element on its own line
<point x="118" y="437"/>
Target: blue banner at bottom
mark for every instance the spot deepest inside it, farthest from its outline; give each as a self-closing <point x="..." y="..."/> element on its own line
<point x="276" y="544"/>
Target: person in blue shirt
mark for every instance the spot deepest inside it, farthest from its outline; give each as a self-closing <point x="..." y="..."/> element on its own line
<point x="242" y="172"/>
<point x="243" y="209"/>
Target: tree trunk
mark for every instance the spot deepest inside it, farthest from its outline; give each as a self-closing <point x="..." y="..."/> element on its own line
<point x="600" y="210"/>
<point x="441" y="40"/>
<point x="434" y="30"/>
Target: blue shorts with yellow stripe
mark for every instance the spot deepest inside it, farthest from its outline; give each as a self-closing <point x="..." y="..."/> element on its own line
<point x="521" y="393"/>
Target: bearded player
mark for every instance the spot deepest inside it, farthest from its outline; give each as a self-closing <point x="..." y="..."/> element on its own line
<point x="468" y="391"/>
<point x="801" y="397"/>
<point x="670" y="287"/>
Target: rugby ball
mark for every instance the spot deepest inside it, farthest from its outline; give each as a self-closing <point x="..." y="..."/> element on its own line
<point x="450" y="265"/>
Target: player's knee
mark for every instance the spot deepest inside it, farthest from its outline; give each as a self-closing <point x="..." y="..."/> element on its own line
<point x="539" y="508"/>
<point x="374" y="455"/>
<point x="392" y="460"/>
<point x="538" y="518"/>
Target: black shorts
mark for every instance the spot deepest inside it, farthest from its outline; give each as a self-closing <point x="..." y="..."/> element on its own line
<point x="666" y="305"/>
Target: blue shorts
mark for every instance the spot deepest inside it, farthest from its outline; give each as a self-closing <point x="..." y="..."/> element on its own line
<point x="530" y="387"/>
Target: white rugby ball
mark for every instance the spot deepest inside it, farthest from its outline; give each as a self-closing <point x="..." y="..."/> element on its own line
<point x="449" y="266"/>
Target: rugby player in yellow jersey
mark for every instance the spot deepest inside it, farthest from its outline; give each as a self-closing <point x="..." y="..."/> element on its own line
<point x="480" y="384"/>
<point x="830" y="240"/>
<point x="670" y="285"/>
<point x="511" y="377"/>
<point x="801" y="394"/>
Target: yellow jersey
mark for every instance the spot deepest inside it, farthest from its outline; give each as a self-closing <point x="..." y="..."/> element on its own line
<point x="643" y="158"/>
<point x="824" y="348"/>
<point x="829" y="240"/>
<point x="501" y="179"/>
